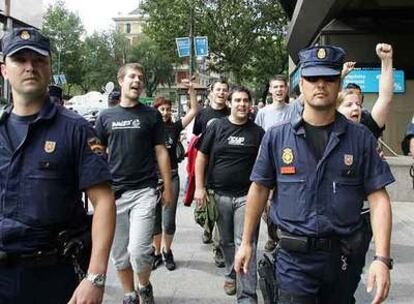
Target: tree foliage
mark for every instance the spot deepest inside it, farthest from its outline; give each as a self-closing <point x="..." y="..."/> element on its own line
<point x="65" y="29"/>
<point x="246" y="37"/>
<point x="88" y="62"/>
<point x="157" y="65"/>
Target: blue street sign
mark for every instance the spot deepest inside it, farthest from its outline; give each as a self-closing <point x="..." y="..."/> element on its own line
<point x="56" y="79"/>
<point x="368" y="80"/>
<point x="183" y="46"/>
<point x="62" y="79"/>
<point x="201" y="45"/>
<point x="59" y="79"/>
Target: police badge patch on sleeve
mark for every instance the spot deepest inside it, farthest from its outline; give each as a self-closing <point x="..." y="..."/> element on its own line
<point x="96" y="145"/>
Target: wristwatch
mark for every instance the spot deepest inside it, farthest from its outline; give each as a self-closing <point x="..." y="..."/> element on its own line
<point x="97" y="279"/>
<point x="387" y="261"/>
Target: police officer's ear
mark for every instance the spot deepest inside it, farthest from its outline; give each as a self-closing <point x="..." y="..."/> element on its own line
<point x="300" y="85"/>
<point x="3" y="70"/>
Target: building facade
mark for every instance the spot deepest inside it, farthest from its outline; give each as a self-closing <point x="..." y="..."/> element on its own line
<point x="357" y="26"/>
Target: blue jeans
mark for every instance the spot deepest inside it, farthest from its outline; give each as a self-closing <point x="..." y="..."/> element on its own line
<point x="230" y="225"/>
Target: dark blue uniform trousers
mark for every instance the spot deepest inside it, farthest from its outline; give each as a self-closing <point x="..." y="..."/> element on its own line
<point x="316" y="277"/>
<point x="52" y="284"/>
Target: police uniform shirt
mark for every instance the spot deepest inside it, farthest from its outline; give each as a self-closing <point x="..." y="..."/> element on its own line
<point x="17" y="127"/>
<point x="172" y="136"/>
<point x="41" y="181"/>
<point x="320" y="198"/>
<point x="205" y="116"/>
<point x="232" y="150"/>
<point x="131" y="135"/>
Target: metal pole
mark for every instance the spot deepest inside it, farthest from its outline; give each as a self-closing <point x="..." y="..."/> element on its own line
<point x="191" y="35"/>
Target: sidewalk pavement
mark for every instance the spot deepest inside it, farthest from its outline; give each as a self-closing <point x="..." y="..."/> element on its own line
<point x="198" y="280"/>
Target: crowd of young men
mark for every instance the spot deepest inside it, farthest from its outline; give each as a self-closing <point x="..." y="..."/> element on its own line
<point x="313" y="165"/>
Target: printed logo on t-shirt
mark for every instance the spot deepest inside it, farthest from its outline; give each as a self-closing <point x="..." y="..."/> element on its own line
<point x="210" y="121"/>
<point x="236" y="141"/>
<point x="168" y="142"/>
<point x="126" y="124"/>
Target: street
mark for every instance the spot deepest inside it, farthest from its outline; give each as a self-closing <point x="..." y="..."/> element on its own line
<point x="198" y="280"/>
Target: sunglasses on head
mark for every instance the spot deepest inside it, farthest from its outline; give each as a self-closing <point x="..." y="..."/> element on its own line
<point x="325" y="78"/>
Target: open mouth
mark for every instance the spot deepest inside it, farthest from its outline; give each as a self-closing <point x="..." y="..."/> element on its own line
<point x="355" y="116"/>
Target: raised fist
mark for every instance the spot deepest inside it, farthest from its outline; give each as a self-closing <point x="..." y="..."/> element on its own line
<point x="384" y="51"/>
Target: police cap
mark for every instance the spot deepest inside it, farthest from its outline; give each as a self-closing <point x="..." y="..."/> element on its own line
<point x="55" y="91"/>
<point x="321" y="61"/>
<point x="25" y="38"/>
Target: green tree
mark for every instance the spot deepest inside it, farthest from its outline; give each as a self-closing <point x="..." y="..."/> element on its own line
<point x="98" y="63"/>
<point x="246" y="37"/>
<point x="157" y="65"/>
<point x="65" y="29"/>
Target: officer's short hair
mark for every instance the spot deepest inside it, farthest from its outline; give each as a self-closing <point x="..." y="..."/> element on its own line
<point x="278" y="77"/>
<point x="132" y="66"/>
<point x="242" y="89"/>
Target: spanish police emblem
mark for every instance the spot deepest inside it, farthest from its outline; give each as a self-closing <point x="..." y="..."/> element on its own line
<point x="321" y="53"/>
<point x="348" y="159"/>
<point x="25" y="35"/>
<point x="287" y="156"/>
<point x="50" y="146"/>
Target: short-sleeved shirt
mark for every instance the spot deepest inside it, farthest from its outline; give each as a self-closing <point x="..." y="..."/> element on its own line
<point x="271" y="114"/>
<point x="320" y="199"/>
<point x="232" y="150"/>
<point x="172" y="136"/>
<point x="41" y="180"/>
<point x="131" y="135"/>
<point x="206" y="116"/>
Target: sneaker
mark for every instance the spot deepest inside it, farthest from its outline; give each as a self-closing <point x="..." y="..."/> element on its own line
<point x="145" y="295"/>
<point x="230" y="287"/>
<point x="130" y="299"/>
<point x="270" y="245"/>
<point x="157" y="261"/>
<point x="169" y="260"/>
<point x="218" y="257"/>
<point x="206" y="237"/>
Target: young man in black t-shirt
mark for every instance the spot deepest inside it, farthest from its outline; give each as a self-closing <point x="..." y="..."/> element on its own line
<point x="217" y="109"/>
<point x="228" y="149"/>
<point x="134" y="136"/>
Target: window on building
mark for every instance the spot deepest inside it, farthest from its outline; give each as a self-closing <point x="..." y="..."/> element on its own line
<point x="128" y="28"/>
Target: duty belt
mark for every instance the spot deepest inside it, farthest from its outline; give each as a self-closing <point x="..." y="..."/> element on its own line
<point x="36" y="258"/>
<point x="305" y="244"/>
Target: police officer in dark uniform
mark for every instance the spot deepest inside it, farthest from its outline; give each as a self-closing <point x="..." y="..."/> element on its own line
<point x="321" y="167"/>
<point x="56" y="94"/>
<point x="46" y="159"/>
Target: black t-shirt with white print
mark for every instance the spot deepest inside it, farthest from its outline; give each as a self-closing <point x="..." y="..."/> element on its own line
<point x="232" y="151"/>
<point x="172" y="136"/>
<point x="131" y="135"/>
